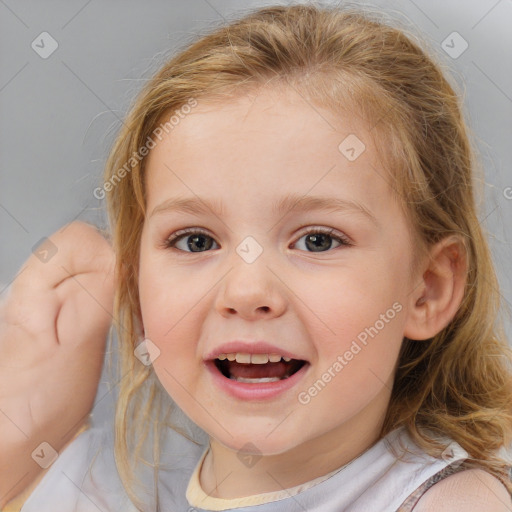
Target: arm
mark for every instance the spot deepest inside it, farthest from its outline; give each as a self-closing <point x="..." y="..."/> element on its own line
<point x="472" y="490"/>
<point x="53" y="327"/>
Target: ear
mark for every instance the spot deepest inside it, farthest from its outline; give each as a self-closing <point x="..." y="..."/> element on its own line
<point x="435" y="301"/>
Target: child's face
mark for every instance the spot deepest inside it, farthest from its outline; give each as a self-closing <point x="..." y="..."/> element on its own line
<point x="341" y="308"/>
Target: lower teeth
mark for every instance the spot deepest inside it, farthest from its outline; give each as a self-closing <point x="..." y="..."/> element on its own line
<point x="255" y="381"/>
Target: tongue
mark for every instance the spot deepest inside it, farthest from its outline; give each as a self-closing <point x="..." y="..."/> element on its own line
<point x="258" y="371"/>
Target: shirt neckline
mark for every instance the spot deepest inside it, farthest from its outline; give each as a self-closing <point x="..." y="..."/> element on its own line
<point x="198" y="498"/>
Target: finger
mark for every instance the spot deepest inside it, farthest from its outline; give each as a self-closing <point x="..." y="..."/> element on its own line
<point x="75" y="249"/>
<point x="87" y="303"/>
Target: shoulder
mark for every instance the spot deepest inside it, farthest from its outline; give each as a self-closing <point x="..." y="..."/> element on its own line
<point x="472" y="490"/>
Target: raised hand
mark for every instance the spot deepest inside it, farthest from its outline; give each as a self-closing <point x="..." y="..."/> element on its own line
<point x="54" y="323"/>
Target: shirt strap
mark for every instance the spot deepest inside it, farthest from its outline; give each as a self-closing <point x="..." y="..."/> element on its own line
<point x="504" y="475"/>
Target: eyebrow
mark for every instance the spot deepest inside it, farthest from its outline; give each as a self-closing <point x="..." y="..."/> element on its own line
<point x="287" y="204"/>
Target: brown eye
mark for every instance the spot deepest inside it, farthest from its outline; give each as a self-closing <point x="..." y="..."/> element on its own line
<point x="195" y="240"/>
<point x="321" y="240"/>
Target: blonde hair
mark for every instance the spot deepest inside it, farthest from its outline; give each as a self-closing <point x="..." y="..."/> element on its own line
<point x="457" y="384"/>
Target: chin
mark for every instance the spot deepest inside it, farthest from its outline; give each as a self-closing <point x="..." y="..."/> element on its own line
<point x="258" y="443"/>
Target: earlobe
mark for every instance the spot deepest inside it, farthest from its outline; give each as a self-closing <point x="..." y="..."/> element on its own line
<point x="436" y="299"/>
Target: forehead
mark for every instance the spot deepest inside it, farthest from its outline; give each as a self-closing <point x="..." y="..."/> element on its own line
<point x="264" y="142"/>
<point x="259" y="116"/>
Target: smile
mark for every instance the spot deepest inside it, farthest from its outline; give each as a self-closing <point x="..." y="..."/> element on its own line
<point x="257" y="368"/>
<point x="255" y="376"/>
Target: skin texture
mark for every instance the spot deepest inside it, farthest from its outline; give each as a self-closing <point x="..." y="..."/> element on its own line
<point x="473" y="490"/>
<point x="53" y="327"/>
<point x="247" y="154"/>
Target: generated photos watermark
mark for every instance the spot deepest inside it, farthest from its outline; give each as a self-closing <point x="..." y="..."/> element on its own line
<point x="361" y="341"/>
<point x="137" y="156"/>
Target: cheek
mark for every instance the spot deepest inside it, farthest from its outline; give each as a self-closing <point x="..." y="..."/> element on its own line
<point x="172" y="299"/>
<point x="169" y="318"/>
<point x="357" y="326"/>
<point x="167" y="315"/>
<point x="166" y="294"/>
<point x="343" y="304"/>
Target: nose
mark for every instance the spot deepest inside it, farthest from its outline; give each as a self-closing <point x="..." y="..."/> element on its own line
<point x="252" y="291"/>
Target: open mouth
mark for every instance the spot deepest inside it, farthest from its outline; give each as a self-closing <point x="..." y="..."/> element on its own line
<point x="257" y="368"/>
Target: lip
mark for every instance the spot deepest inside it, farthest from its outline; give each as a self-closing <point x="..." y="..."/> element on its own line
<point x="255" y="347"/>
<point x="254" y="392"/>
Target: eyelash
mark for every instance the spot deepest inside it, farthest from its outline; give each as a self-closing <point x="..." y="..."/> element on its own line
<point x="174" y="238"/>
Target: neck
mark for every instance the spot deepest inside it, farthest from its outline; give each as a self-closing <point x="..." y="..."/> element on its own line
<point x="226" y="474"/>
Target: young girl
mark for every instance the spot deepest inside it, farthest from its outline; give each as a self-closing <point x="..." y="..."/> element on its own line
<point x="300" y="268"/>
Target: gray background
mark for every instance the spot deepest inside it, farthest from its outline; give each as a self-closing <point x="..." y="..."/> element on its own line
<point x="59" y="115"/>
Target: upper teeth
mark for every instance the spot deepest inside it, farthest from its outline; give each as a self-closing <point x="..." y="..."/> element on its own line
<point x="242" y="357"/>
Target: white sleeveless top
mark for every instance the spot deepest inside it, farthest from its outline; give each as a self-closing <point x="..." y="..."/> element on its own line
<point x="390" y="476"/>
